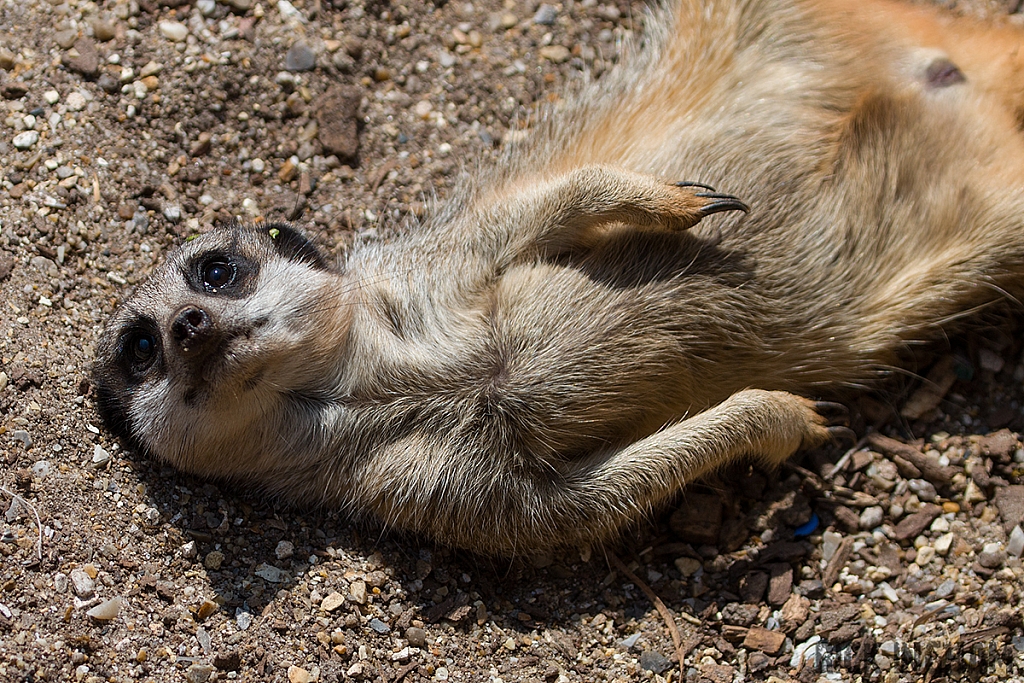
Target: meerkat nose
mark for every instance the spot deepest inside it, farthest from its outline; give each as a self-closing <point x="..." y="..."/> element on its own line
<point x="192" y="328"/>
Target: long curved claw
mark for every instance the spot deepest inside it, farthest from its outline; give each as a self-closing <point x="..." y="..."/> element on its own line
<point x="723" y="202"/>
<point x="834" y="414"/>
<point x="842" y="434"/>
<point x="693" y="183"/>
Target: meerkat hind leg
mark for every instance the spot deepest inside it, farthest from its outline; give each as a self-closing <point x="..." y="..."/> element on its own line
<point x="766" y="425"/>
<point x="617" y="488"/>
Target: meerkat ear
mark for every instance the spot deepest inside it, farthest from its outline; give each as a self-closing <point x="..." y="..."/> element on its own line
<point x="293" y="245"/>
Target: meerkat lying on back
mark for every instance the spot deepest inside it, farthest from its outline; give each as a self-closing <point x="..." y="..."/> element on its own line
<point x="573" y="336"/>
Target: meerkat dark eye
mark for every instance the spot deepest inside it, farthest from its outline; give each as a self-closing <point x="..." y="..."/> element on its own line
<point x="217" y="274"/>
<point x="140" y="347"/>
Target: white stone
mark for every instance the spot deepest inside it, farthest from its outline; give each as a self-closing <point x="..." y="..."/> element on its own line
<point x="75" y="101"/>
<point x="889" y="592"/>
<point x="105" y="611"/>
<point x="51" y="96"/>
<point x="940" y="525"/>
<point x="943" y="544"/>
<point x="288" y="11"/>
<point x="82" y="583"/>
<point x="25" y="140"/>
<point x="925" y="555"/>
<point x="100" y="456"/>
<point x="805" y="652"/>
<point x="151" y="69"/>
<point x="271" y="573"/>
<point x="423" y="109"/>
<point x="173" y="30"/>
<point x="924" y="489"/>
<point x="284" y="550"/>
<point x="871" y="517"/>
<point x="830" y="541"/>
<point x="1015" y="546"/>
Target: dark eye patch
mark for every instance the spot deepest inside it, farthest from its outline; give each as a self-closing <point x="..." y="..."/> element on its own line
<point x="221" y="273"/>
<point x="218" y="274"/>
<point x="139" y="348"/>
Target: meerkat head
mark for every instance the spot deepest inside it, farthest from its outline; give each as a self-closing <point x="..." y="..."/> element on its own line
<point x="202" y="361"/>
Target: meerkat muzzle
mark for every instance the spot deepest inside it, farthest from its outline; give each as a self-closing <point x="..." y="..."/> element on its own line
<point x="192" y="330"/>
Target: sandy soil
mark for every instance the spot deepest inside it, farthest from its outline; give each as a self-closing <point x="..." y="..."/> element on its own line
<point x="126" y="126"/>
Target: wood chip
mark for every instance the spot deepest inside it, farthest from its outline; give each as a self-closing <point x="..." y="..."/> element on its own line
<point x="768" y="642"/>
<point x="930" y="467"/>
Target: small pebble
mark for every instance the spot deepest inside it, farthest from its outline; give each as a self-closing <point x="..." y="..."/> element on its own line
<point x="41" y="469"/>
<point x="943" y="544"/>
<point x="100" y="456"/>
<point x="357" y="592"/>
<point x="872" y="517"/>
<point x="296" y="674"/>
<point x="243" y="619"/>
<point x="207" y="608"/>
<point x="203" y="636"/>
<point x="26" y="139"/>
<point x="213" y="560"/>
<point x="103" y="29"/>
<point x="1015" y="546"/>
<point x="688" y="566"/>
<point x="546" y="15"/>
<point x="332" y="602"/>
<point x="555" y="53"/>
<point x="51" y="96"/>
<point x="417" y="637"/>
<point x="151" y="69"/>
<point x="269" y="572"/>
<point x="173" y="30"/>
<point x="992" y="556"/>
<point x="379" y="626"/>
<point x="81" y="583"/>
<point x="423" y="109"/>
<point x="924" y="489"/>
<point x="199" y="673"/>
<point x="284" y="550"/>
<point x="75" y="101"/>
<point x="299" y="57"/>
<point x="107" y="610"/>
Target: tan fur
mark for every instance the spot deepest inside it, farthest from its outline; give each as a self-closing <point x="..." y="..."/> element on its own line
<point x="572" y="337"/>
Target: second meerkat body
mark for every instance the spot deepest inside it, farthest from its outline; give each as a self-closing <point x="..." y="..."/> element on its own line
<point x="573" y="336"/>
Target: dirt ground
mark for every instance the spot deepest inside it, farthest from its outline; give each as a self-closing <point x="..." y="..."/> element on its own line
<point x="127" y="125"/>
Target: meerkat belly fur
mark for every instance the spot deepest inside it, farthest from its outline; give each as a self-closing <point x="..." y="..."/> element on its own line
<point x="575" y="335"/>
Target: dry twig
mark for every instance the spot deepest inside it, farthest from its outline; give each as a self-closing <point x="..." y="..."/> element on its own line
<point x="670" y="622"/>
<point x="39" y="525"/>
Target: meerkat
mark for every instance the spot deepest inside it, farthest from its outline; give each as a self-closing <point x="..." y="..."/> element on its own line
<point x="586" y="326"/>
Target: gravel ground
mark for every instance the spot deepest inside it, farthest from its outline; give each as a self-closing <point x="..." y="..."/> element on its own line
<point x="126" y="126"/>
